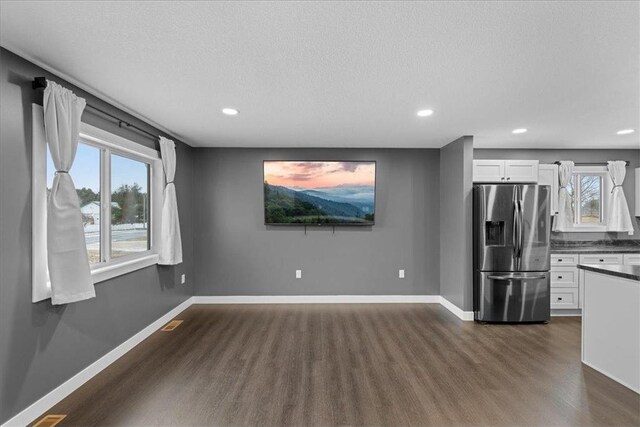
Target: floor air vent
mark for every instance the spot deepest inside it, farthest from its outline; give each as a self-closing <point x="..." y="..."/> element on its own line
<point x="50" y="421"/>
<point x="171" y="325"/>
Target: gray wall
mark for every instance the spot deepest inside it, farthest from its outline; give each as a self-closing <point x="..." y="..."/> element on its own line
<point x="236" y="254"/>
<point x="578" y="156"/>
<point x="456" y="256"/>
<point x="41" y="346"/>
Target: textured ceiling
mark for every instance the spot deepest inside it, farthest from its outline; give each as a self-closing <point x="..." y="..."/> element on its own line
<point x="350" y="74"/>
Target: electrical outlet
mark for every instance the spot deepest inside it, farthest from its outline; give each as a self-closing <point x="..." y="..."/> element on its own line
<point x="298" y="274"/>
<point x="401" y="274"/>
<point x="183" y="279"/>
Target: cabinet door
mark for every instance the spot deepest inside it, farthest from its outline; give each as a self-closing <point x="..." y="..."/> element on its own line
<point x="631" y="259"/>
<point x="521" y="170"/>
<point x="488" y="171"/>
<point x="548" y="175"/>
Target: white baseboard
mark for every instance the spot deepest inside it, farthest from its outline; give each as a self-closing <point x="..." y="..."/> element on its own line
<point x="336" y="299"/>
<point x="463" y="315"/>
<point x="566" y="315"/>
<point x="566" y="312"/>
<point x="317" y="299"/>
<point x="56" y="395"/>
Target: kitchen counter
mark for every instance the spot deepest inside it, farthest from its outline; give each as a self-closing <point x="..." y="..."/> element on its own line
<point x="625" y="271"/>
<point x="611" y="322"/>
<point x="595" y="246"/>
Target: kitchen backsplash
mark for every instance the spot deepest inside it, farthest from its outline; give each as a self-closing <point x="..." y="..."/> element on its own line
<point x="591" y="236"/>
<point x="627" y="243"/>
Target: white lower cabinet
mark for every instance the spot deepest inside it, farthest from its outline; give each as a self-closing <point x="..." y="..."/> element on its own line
<point x="565" y="292"/>
<point x="631" y="259"/>
<point x="567" y="280"/>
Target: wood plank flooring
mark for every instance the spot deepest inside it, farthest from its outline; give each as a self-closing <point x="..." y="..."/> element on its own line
<point x="351" y="365"/>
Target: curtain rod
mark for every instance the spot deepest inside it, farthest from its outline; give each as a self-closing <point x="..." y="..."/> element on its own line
<point x="41" y="83"/>
<point x="592" y="164"/>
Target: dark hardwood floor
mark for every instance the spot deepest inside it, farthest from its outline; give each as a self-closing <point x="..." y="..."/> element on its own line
<point x="361" y="364"/>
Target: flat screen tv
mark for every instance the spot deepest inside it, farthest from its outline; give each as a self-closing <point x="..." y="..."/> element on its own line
<point x="319" y="193"/>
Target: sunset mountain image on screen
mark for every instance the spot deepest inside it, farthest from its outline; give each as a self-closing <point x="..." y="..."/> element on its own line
<point x="334" y="193"/>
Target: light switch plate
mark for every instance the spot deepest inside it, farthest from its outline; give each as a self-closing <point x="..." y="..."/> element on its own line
<point x="298" y="274"/>
<point x="401" y="274"/>
<point x="183" y="279"/>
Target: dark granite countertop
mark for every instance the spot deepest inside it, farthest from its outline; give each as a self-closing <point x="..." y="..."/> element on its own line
<point x="625" y="271"/>
<point x="595" y="246"/>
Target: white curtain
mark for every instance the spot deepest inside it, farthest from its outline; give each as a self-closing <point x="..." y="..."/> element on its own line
<point x="170" y="241"/>
<point x="618" y="218"/>
<point x="564" y="219"/>
<point x="67" y="258"/>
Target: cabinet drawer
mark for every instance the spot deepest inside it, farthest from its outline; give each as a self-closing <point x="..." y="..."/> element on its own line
<point x="564" y="277"/>
<point x="564" y="298"/>
<point x="564" y="259"/>
<point x="601" y="259"/>
<point x="631" y="259"/>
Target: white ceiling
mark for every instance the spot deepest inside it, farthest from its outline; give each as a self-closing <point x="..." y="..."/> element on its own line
<point x="351" y="74"/>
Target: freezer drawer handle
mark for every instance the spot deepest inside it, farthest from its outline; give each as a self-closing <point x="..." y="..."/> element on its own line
<point x="542" y="276"/>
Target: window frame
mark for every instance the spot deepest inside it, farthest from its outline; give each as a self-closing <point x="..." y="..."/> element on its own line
<point x="108" y="143"/>
<point x="607" y="186"/>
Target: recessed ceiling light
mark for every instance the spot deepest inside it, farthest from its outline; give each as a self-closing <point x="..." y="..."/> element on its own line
<point x="424" y="113"/>
<point x="520" y="130"/>
<point x="230" y="111"/>
<point x="625" y="131"/>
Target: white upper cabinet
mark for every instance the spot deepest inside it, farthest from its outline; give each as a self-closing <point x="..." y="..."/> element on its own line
<point x="505" y="171"/>
<point x="521" y="170"/>
<point x="548" y="175"/>
<point x="488" y="170"/>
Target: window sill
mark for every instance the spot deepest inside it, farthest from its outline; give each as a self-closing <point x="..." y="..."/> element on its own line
<point x="118" y="269"/>
<point x="602" y="229"/>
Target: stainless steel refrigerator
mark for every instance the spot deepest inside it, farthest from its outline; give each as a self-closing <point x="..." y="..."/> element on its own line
<point x="511" y="253"/>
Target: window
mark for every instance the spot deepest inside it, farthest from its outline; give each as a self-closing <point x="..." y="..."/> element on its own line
<point x="590" y="190"/>
<point x="119" y="185"/>
<point x="129" y="206"/>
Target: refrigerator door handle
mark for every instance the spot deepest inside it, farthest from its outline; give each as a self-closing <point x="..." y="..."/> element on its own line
<point x="512" y="277"/>
<point x="483" y="205"/>
<point x="515" y="231"/>
<point x="520" y="229"/>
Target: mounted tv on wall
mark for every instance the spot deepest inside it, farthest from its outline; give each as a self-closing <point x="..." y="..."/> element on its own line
<point x="319" y="192"/>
